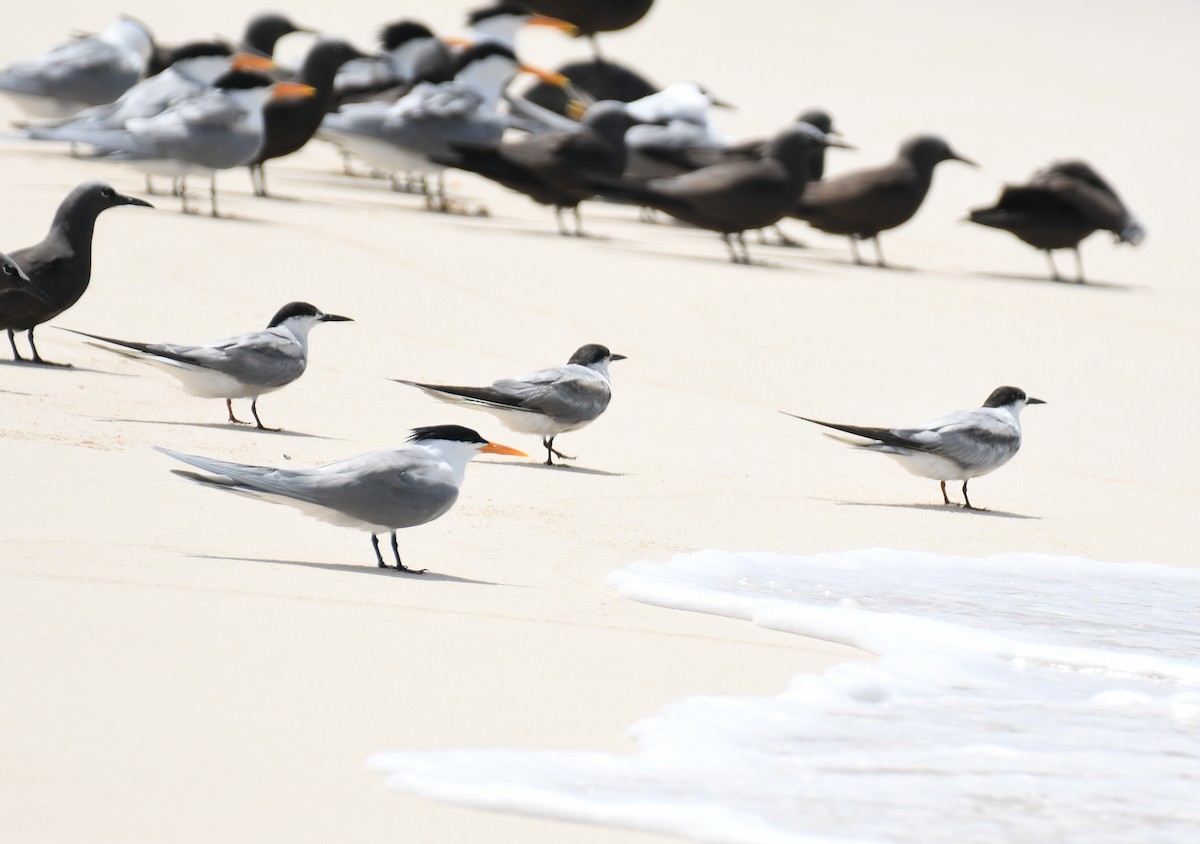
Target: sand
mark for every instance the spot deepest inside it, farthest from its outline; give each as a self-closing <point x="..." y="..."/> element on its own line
<point x="182" y="665"/>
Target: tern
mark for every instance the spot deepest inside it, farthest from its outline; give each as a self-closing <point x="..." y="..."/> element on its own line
<point x="380" y="492"/>
<point x="548" y="402"/>
<point x="959" y="446"/>
<point x="243" y="367"/>
<point x="84" y="72"/>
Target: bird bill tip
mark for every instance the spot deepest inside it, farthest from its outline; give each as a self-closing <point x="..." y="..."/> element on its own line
<point x="965" y="160"/>
<point x="497" y="448"/>
<point x="336" y="318"/>
<point x="1034" y="401"/>
<point x="618" y="357"/>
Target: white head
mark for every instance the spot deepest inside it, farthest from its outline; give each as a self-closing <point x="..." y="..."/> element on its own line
<point x="1012" y="399"/>
<point x="487" y="69"/>
<point x="457" y="445"/>
<point x="130" y="34"/>
<point x="298" y="318"/>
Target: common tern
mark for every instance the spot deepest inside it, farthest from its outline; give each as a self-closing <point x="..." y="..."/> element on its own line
<point x="863" y="203"/>
<point x="959" y="446"/>
<point x="60" y="264"/>
<point x="243" y="367"/>
<point x="1060" y="206"/>
<point x="548" y="402"/>
<point x="380" y="492"/>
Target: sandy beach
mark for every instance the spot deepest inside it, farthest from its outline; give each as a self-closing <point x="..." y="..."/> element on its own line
<point x="180" y="665"/>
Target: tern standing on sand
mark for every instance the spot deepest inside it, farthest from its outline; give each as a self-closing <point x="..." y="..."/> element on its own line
<point x="382" y="491"/>
<point x="548" y="402"/>
<point x="956" y="447"/>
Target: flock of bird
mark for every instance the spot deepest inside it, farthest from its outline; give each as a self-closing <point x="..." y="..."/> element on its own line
<point x="420" y="104"/>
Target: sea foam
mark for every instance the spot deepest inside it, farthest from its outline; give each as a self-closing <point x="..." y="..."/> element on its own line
<point x="1016" y="698"/>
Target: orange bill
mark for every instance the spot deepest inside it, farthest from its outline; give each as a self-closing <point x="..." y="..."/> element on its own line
<point x="550" y="77"/>
<point x="553" y="23"/>
<point x="496" y="448"/>
<point x="248" y="61"/>
<point x="293" y="89"/>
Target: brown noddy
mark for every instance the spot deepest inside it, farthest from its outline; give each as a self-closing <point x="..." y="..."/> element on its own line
<point x="863" y="203"/>
<point x="61" y="264"/>
<point x="1060" y="206"/>
<point x="733" y="197"/>
<point x="556" y="167"/>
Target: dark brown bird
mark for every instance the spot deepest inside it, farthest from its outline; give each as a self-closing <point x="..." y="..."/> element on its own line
<point x="1060" y="206"/>
<point x="600" y="79"/>
<point x="863" y="203"/>
<point x="289" y="123"/>
<point x="61" y="264"/>
<point x="734" y="197"/>
<point x="555" y="168"/>
<point x="592" y="16"/>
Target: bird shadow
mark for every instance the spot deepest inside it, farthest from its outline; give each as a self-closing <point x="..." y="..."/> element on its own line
<point x="714" y="259"/>
<point x="558" y="467"/>
<point x="219" y="426"/>
<point x="936" y="508"/>
<point x="51" y="366"/>
<point x="353" y="569"/>
<point x="1045" y="279"/>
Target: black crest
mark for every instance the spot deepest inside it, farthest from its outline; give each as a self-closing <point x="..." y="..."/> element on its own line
<point x="293" y="309"/>
<point x="241" y="80"/>
<point x="496" y="11"/>
<point x="590" y="354"/>
<point x="395" y="34"/>
<point x="452" y="433"/>
<point x="1003" y="396"/>
<point x="479" y="52"/>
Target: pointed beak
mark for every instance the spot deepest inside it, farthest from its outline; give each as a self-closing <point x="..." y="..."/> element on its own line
<point x="496" y="448"/>
<point x="456" y="41"/>
<point x="617" y="357"/>
<point x="133" y="200"/>
<point x="552" y="23"/>
<point x="249" y="61"/>
<point x="956" y="157"/>
<point x="719" y="103"/>
<point x="335" y="318"/>
<point x="550" y="77"/>
<point x="292" y="89"/>
<point x="834" y="141"/>
<point x="1034" y="401"/>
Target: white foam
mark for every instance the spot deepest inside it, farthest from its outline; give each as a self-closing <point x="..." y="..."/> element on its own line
<point x="1017" y="698"/>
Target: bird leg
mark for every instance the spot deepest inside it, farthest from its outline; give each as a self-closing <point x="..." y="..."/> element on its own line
<point x="1053" y="269"/>
<point x="1079" y="265"/>
<point x="181" y="192"/>
<point x="784" y="240"/>
<point x="741" y="239"/>
<point x="879" y="262"/>
<point x="347" y="163"/>
<point x="261" y="426"/>
<point x="733" y="256"/>
<point x="232" y="418"/>
<point x="12" y="341"/>
<point x="968" y="505"/>
<point x="551" y="451"/>
<point x="150" y="185"/>
<point x="578" y="222"/>
<point x="378" y="556"/>
<point x="558" y="219"/>
<point x="596" y="47"/>
<point x="258" y="179"/>
<point x="399" y="565"/>
<point x="945" y="498"/>
<point x="36" y="357"/>
<point x="854" y="249"/>
<point x="213" y="193"/>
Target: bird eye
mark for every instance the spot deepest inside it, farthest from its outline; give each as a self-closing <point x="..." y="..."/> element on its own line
<point x="107" y="192"/>
<point x="8" y="270"/>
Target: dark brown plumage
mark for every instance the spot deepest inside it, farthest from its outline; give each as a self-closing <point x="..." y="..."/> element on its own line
<point x="592" y="16"/>
<point x="1060" y="206"/>
<point x="863" y="203"/>
<point x="554" y="168"/>
<point x="61" y="264"/>
<point x="733" y="197"/>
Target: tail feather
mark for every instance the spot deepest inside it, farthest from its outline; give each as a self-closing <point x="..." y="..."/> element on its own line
<point x="882" y="435"/>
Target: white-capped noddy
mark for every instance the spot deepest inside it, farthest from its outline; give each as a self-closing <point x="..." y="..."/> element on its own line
<point x="1060" y="206"/>
<point x="548" y="402"/>
<point x="863" y="203"/>
<point x="61" y="264"/>
<point x="243" y="367"/>
<point x="959" y="446"/>
<point x="379" y="492"/>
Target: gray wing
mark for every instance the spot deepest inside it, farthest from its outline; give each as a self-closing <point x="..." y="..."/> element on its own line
<point x="261" y="357"/>
<point x="562" y="393"/>
<point x="969" y="438"/>
<point x="87" y="70"/>
<point x="381" y="488"/>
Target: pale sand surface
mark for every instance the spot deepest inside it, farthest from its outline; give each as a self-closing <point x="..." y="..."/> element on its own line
<point x="178" y="665"/>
